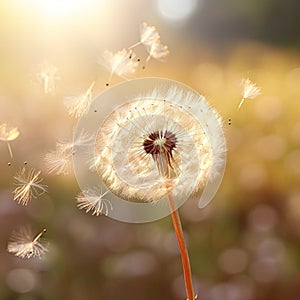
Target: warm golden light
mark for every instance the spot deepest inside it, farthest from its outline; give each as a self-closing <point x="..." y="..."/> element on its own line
<point x="56" y="8"/>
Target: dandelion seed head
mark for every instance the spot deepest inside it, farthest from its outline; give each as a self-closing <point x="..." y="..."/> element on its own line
<point x="25" y="245"/>
<point x="28" y="186"/>
<point x="161" y="139"/>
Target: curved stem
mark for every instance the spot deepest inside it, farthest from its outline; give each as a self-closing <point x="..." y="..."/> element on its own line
<point x="187" y="272"/>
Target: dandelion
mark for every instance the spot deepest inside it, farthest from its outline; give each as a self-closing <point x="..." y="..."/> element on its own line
<point x="249" y="90"/>
<point x="91" y="200"/>
<point x="47" y="75"/>
<point x="78" y="105"/>
<point x="160" y="138"/>
<point x="25" y="245"/>
<point x="8" y="135"/>
<point x="28" y="186"/>
<point x="119" y="63"/>
<point x="148" y="35"/>
<point x="158" y="148"/>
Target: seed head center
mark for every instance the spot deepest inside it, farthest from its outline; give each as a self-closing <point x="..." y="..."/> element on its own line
<point x="160" y="143"/>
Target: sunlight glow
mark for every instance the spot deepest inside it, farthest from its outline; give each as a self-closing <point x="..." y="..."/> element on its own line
<point x="63" y="7"/>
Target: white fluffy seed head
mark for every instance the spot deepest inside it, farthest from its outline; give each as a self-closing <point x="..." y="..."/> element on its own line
<point x="154" y="139"/>
<point x="132" y="173"/>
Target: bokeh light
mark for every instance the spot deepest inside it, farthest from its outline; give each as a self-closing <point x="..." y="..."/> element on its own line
<point x="58" y="8"/>
<point x="21" y="280"/>
<point x="176" y="10"/>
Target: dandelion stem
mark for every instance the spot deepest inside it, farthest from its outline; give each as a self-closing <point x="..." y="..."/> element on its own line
<point x="110" y="76"/>
<point x="46" y="85"/>
<point x="10" y="150"/>
<point x="39" y="235"/>
<point x="90" y="88"/>
<point x="241" y="103"/>
<point x="187" y="272"/>
<point x="134" y="45"/>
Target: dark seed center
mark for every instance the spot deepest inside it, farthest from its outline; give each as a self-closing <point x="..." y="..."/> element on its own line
<point x="160" y="142"/>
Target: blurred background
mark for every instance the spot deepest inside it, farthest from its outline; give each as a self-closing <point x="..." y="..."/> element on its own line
<point x="245" y="244"/>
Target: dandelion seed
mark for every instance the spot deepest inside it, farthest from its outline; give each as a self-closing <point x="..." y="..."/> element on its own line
<point x="78" y="105"/>
<point x="249" y="90"/>
<point x="94" y="162"/>
<point x="91" y="200"/>
<point x="59" y="162"/>
<point x="118" y="63"/>
<point x="151" y="40"/>
<point x="80" y="140"/>
<point x="28" y="186"/>
<point x="157" y="51"/>
<point x="25" y="245"/>
<point x="8" y="135"/>
<point x="47" y="76"/>
<point x="148" y="35"/>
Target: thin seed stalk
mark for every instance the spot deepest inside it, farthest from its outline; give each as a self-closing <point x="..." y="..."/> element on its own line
<point x="10" y="150"/>
<point x="163" y="163"/>
<point x="187" y="272"/>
